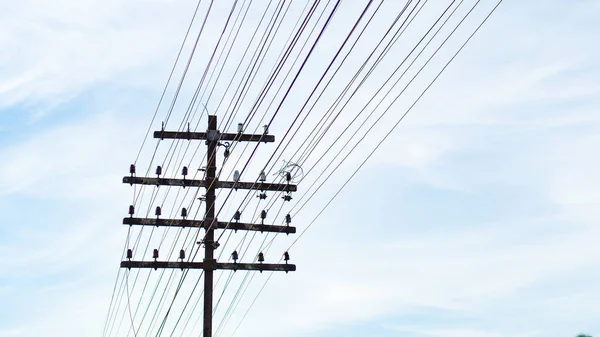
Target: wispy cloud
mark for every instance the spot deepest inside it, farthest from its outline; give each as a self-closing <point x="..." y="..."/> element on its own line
<point x="515" y="117"/>
<point x="60" y="49"/>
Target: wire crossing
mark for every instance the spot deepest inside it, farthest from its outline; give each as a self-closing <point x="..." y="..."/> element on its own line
<point x="213" y="137"/>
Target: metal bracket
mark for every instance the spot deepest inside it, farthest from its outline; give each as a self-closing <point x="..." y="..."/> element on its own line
<point x="213" y="135"/>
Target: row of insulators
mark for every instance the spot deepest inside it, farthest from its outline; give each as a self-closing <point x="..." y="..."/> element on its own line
<point x="236" y="216"/>
<point x="236" y="175"/>
<point x="262" y="177"/>
<point x="240" y="128"/>
<point x="158" y="211"/>
<point x="184" y="170"/>
<point x="263" y="215"/>
<point x="154" y="254"/>
<point x="285" y="197"/>
<point x="234" y="255"/>
<point x="261" y="257"/>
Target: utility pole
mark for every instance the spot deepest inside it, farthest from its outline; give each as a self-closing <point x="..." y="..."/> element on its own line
<point x="210" y="182"/>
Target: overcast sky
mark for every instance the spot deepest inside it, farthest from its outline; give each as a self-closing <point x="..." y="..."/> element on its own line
<point x="478" y="216"/>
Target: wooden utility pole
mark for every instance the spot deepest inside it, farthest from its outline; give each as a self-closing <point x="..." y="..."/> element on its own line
<point x="210" y="182"/>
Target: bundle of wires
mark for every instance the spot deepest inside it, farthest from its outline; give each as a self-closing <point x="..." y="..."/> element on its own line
<point x="325" y="75"/>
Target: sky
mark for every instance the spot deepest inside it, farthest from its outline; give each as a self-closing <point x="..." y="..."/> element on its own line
<point x="477" y="216"/>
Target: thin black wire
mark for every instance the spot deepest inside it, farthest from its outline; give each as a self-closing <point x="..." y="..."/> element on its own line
<point x="169" y="189"/>
<point x="311" y="95"/>
<point x="296" y="118"/>
<point x="176" y="95"/>
<point x="226" y="55"/>
<point x="338" y="68"/>
<point x="233" y="146"/>
<point x="177" y="91"/>
<point x="262" y="52"/>
<point x="305" y="104"/>
<point x="405" y="113"/>
<point x="374" y="109"/>
<point x="245" y="166"/>
<point x="325" y="87"/>
<point x="128" y="301"/>
<point x="296" y="76"/>
<point x="368" y="103"/>
<point x="198" y="89"/>
<point x="389" y="132"/>
<point x="118" y="305"/>
<point x="232" y="307"/>
<point x="312" y="145"/>
<point x="146" y="136"/>
<point x="168" y="81"/>
<point x="244" y="55"/>
<point x="333" y="11"/>
<point x="234" y="143"/>
<point x="313" y="141"/>
<point x="274" y="72"/>
<point x="190" y="108"/>
<point x="319" y="82"/>
<point x="291" y="86"/>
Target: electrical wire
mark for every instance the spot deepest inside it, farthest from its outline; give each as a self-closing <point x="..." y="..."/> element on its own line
<point x="381" y="141"/>
<point x="228" y="313"/>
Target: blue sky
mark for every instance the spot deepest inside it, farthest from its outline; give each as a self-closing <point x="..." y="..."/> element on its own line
<point x="481" y="208"/>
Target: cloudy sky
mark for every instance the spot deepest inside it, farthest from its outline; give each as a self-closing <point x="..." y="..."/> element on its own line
<point x="476" y="217"/>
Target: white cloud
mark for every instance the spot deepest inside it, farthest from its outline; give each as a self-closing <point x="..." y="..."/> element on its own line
<point x="53" y="51"/>
<point x="343" y="278"/>
<point x="457" y="332"/>
<point x="84" y="148"/>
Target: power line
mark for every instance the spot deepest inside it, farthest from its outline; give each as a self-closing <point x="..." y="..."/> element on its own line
<point x="366" y="159"/>
<point x="403" y="115"/>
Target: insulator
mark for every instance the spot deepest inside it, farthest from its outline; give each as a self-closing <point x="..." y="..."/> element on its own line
<point x="286" y="256"/>
<point x="262" y="177"/>
<point x="288" y="177"/>
<point x="184" y="212"/>
<point x="240" y="127"/>
<point x="234" y="255"/>
<point x="287" y="197"/>
<point x="184" y="171"/>
<point x="266" y="129"/>
<point x="236" y="176"/>
<point x="158" y="170"/>
<point x="131" y="210"/>
<point x="182" y="254"/>
<point x="129" y="254"/>
<point x="263" y="214"/>
<point x="261" y="257"/>
<point x="226" y="153"/>
<point x="262" y="196"/>
<point x="288" y="219"/>
<point x="132" y="169"/>
<point x="158" y="211"/>
<point x="237" y="216"/>
<point x="155" y="254"/>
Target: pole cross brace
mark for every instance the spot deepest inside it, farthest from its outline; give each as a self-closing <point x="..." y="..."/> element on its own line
<point x="218" y="184"/>
<point x="221" y="136"/>
<point x="211" y="265"/>
<point x="185" y="223"/>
